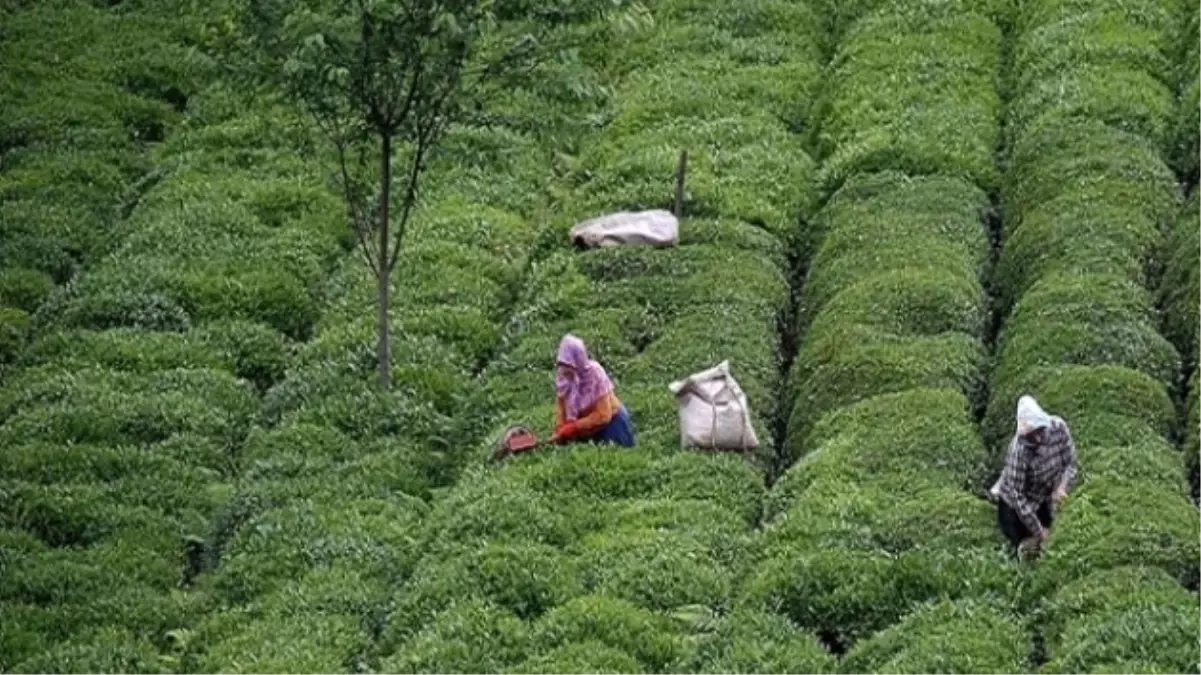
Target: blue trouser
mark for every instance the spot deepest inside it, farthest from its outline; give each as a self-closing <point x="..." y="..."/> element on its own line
<point x="619" y="430"/>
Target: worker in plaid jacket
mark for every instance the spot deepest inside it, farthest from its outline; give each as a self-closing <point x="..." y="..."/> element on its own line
<point x="1040" y="469"/>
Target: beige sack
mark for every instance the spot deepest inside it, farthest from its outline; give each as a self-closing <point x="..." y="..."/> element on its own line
<point x="713" y="411"/>
<point x="648" y="228"/>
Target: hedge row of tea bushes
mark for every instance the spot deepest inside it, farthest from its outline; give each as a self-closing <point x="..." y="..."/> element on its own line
<point x="1188" y="116"/>
<point x="1089" y="199"/>
<point x="875" y="540"/>
<point x="123" y="424"/>
<point x="85" y="90"/>
<point x="337" y="481"/>
<point x="581" y="559"/>
<point x="1179" y="286"/>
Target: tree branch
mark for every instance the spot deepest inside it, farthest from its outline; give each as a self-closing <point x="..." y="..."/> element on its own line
<point x="427" y="136"/>
<point x="329" y="125"/>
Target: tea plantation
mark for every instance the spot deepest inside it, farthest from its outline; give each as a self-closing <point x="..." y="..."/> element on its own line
<point x="899" y="217"/>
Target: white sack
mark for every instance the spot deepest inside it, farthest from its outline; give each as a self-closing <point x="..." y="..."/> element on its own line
<point x="713" y="411"/>
<point x="650" y="228"/>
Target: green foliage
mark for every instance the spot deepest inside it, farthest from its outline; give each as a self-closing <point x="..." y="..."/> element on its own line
<point x="202" y="253"/>
<point x="893" y="312"/>
<point x="525" y="579"/>
<point x="919" y="432"/>
<point x="1106" y="592"/>
<point x="1088" y="200"/>
<point x="593" y="559"/>
<point x="914" y="91"/>
<point x="846" y="557"/>
<point x="1084" y="198"/>
<point x="657" y="571"/>
<point x="855" y="363"/>
<point x="887" y="221"/>
<point x="1114" y="522"/>
<point x="310" y="642"/>
<point x="1161" y="634"/>
<point x="873" y="326"/>
<point x="581" y="657"/>
<point x="102" y="406"/>
<point x="747" y="168"/>
<point x="469" y="636"/>
<point x="755" y="641"/>
<point x="98" y="651"/>
<point x="945" y="637"/>
<point x="1072" y="319"/>
<point x="23" y="288"/>
<point x="14" y="331"/>
<point x="251" y="351"/>
<point x="1103" y="62"/>
<point x="646" y="636"/>
<point x="1105" y="405"/>
<point x="1180" y="286"/>
<point x="375" y="536"/>
<point x="849" y="594"/>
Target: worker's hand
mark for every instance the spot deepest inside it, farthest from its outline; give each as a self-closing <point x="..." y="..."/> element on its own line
<point x="564" y="432"/>
<point x="1059" y="497"/>
<point x="994" y="493"/>
<point x="1032" y="546"/>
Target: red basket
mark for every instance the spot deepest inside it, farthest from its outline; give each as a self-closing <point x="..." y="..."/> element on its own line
<point x="521" y="440"/>
<point x="515" y="440"/>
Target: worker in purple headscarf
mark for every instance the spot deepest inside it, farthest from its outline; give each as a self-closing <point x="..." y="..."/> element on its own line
<point x="586" y="409"/>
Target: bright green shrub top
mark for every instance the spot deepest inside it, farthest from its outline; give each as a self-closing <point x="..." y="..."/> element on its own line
<point x="926" y="432"/>
<point x="1180" y="286"/>
<point x="883" y="221"/>
<point x="856" y="363"/>
<point x="103" y="406"/>
<point x="916" y="93"/>
<point x="1161" y="634"/>
<point x="104" y="650"/>
<point x="756" y="641"/>
<point x="908" y="301"/>
<point x="1070" y="319"/>
<point x="849" y="594"/>
<point x="750" y="168"/>
<point x="1105" y="592"/>
<point x="590" y="656"/>
<point x="945" y="637"/>
<point x="1114" y="522"/>
<point x="648" y="637"/>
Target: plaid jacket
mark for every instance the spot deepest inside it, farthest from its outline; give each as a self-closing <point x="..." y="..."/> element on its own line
<point x="1033" y="472"/>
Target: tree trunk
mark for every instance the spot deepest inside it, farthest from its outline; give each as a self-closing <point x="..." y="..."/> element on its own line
<point x="384" y="276"/>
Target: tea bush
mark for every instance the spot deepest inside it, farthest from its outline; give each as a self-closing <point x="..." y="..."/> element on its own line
<point x="1188" y="116"/>
<point x="337" y="488"/>
<point x="66" y="168"/>
<point x="1072" y="60"/>
<point x="1090" y="200"/>
<point x="945" y="637"/>
<point x="670" y="528"/>
<point x="1084" y="198"/>
<point x="891" y="358"/>
<point x="131" y="434"/>
<point x="350" y="529"/>
<point x="881" y="111"/>
<point x="1178" y="288"/>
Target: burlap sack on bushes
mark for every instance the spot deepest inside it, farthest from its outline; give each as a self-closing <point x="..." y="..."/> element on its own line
<point x="713" y="411"/>
<point x="648" y="228"/>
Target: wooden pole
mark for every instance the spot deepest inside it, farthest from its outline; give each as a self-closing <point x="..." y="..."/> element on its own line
<point x="680" y="172"/>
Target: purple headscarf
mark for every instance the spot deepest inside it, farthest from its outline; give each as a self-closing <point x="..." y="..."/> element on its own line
<point x="589" y="383"/>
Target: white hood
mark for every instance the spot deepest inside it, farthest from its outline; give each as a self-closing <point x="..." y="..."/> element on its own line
<point x="1030" y="416"/>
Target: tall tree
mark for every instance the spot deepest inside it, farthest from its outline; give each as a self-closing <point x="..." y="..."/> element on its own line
<point x="384" y="79"/>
